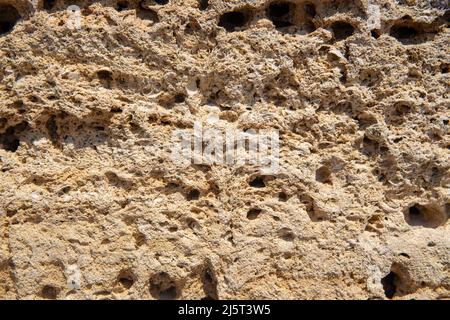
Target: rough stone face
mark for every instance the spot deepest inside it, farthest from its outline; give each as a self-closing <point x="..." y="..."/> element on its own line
<point x="93" y="207"/>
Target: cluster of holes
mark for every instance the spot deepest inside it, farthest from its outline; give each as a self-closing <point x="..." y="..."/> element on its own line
<point x="63" y="127"/>
<point x="283" y="14"/>
<point x="369" y="78"/>
<point x="9" y="16"/>
<point x="143" y="10"/>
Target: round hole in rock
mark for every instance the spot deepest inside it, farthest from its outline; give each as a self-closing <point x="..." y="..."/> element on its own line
<point x="428" y="216"/>
<point x="162" y="2"/>
<point x="49" y="292"/>
<point x="203" y="4"/>
<point x="323" y="175"/>
<point x="122" y="5"/>
<point x="11" y="144"/>
<point x="286" y="234"/>
<point x="389" y="284"/>
<point x="253" y="213"/>
<point x="8" y="18"/>
<point x="126" y="279"/>
<point x="9" y="140"/>
<point x="49" y="4"/>
<point x="163" y="287"/>
<point x="403" y="33"/>
<point x="234" y="20"/>
<point x="193" y="195"/>
<point x="283" y="197"/>
<point x="375" y="33"/>
<point x="342" y="30"/>
<point x="145" y="13"/>
<point x="280" y="13"/>
<point x="104" y="75"/>
<point x="257" y="182"/>
<point x="180" y="98"/>
<point x="116" y="110"/>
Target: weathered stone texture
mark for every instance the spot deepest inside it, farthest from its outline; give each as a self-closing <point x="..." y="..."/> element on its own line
<point x="92" y="207"/>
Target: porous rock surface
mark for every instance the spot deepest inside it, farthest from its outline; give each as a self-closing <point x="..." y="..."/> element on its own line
<point x="93" y="207"/>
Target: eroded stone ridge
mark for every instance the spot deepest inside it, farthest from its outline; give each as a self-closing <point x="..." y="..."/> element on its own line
<point x="93" y="207"/>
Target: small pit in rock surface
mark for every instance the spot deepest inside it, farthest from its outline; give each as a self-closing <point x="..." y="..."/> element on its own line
<point x="9" y="16"/>
<point x="193" y="195"/>
<point x="145" y="13"/>
<point x="234" y="20"/>
<point x="389" y="284"/>
<point x="104" y="75"/>
<point x="253" y="213"/>
<point x="323" y="175"/>
<point x="49" y="292"/>
<point x="342" y="30"/>
<point x="404" y="33"/>
<point x="163" y="287"/>
<point x="209" y="283"/>
<point x="283" y="197"/>
<point x="281" y="14"/>
<point x="375" y="33"/>
<point x="257" y="182"/>
<point x="9" y="140"/>
<point x="126" y="279"/>
<point x="49" y="4"/>
<point x="286" y="234"/>
<point x="428" y="216"/>
<point x="203" y="4"/>
<point x="122" y="5"/>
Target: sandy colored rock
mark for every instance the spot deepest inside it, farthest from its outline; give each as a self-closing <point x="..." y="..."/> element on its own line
<point x="92" y="206"/>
